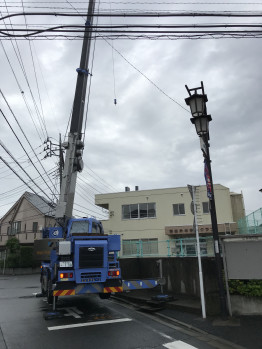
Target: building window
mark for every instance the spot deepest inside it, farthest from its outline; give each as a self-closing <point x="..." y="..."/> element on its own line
<point x="188" y="248"/>
<point x="130" y="247"/>
<point x="35" y="227"/>
<point x="178" y="209"/>
<point x="14" y="228"/>
<point x="135" y="247"/>
<point x="136" y="211"/>
<point x="205" y="206"/>
<point x="150" y="246"/>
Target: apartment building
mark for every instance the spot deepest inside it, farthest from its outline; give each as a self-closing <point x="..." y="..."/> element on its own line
<point x="165" y="214"/>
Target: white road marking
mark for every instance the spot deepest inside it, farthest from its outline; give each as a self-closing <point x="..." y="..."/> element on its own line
<point x="165" y="335"/>
<point x="72" y="311"/>
<point x="178" y="345"/>
<point x="54" y="328"/>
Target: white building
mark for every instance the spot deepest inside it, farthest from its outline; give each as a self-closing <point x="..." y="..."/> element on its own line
<point x="155" y="216"/>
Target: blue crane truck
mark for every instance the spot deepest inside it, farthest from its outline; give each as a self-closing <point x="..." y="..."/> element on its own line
<point x="76" y="256"/>
<point x="82" y="260"/>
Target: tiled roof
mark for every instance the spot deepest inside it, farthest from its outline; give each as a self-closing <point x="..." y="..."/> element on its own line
<point x="47" y="208"/>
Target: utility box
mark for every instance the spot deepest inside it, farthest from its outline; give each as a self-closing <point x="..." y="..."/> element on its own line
<point x="64" y="248"/>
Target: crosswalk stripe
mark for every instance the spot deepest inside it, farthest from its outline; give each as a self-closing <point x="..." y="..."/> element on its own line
<point x="54" y="328"/>
<point x="178" y="345"/>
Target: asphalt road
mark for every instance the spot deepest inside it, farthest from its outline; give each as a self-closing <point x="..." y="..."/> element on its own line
<point x="86" y="322"/>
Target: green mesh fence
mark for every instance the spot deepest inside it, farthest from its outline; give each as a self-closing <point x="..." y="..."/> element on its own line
<point x="186" y="247"/>
<point x="251" y="224"/>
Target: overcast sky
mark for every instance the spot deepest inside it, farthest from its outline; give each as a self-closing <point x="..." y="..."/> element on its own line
<point x="146" y="139"/>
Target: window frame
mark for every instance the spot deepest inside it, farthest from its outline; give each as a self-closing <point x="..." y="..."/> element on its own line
<point x="208" y="207"/>
<point x="136" y="247"/>
<point x="35" y="224"/>
<point x="178" y="206"/>
<point x="133" y="211"/>
<point x="14" y="228"/>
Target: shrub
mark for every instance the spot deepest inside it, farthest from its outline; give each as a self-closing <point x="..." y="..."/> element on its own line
<point x="18" y="256"/>
<point x="26" y="257"/>
<point x="249" y="288"/>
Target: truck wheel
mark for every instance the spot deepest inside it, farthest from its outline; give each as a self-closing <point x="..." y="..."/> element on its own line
<point x="104" y="295"/>
<point x="43" y="287"/>
<point x="49" y="293"/>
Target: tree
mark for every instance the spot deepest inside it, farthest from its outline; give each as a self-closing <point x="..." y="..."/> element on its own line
<point x="12" y="245"/>
<point x="13" y="255"/>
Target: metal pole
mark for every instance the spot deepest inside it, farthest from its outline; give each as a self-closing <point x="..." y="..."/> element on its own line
<point x="61" y="160"/>
<point x="4" y="261"/>
<point x="218" y="259"/>
<point x="201" y="284"/>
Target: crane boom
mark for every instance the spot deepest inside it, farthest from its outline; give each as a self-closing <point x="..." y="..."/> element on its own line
<point x="74" y="145"/>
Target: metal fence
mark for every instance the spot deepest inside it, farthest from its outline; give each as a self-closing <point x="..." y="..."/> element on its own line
<point x="186" y="247"/>
<point x="251" y="224"/>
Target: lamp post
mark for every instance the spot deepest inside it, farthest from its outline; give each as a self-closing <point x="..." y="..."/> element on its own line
<point x="197" y="102"/>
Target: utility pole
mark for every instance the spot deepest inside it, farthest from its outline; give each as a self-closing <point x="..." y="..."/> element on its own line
<point x="74" y="145"/>
<point x="61" y="161"/>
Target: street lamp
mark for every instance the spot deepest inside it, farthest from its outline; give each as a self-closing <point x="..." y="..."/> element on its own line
<point x="200" y="118"/>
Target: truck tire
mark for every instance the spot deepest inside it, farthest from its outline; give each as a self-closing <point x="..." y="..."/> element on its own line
<point x="43" y="290"/>
<point x="49" y="293"/>
<point x="104" y="295"/>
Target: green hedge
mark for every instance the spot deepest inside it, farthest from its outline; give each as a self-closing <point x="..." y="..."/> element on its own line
<point x="249" y="288"/>
<point x="26" y="257"/>
<point x="21" y="259"/>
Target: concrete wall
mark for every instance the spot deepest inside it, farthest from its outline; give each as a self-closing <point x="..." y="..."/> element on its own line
<point x="238" y="208"/>
<point x="19" y="271"/>
<point x="242" y="305"/>
<point x="181" y="274"/>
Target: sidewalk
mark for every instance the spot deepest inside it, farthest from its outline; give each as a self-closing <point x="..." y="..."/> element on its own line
<point x="245" y="331"/>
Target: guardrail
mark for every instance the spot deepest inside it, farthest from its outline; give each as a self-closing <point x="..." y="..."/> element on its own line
<point x="182" y="247"/>
<point x="251" y="224"/>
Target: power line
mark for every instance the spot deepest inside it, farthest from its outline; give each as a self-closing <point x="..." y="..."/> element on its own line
<point x="19" y="176"/>
<point x="9" y="153"/>
<point x="27" y="142"/>
<point x="145" y="14"/>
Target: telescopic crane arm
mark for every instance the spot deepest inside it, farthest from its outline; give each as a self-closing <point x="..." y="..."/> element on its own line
<point x="74" y="146"/>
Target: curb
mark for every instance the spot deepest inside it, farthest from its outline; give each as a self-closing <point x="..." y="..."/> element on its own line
<point x="134" y="302"/>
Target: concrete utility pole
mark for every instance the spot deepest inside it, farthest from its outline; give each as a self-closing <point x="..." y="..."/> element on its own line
<point x="74" y="145"/>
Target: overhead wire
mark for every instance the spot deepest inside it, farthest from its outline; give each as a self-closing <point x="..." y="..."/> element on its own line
<point x="20" y="89"/>
<point x="27" y="142"/>
<point x="22" y="168"/>
<point x="113" y="62"/>
<point x="140" y="72"/>
<point x="21" y="129"/>
<point x="40" y="117"/>
<point x="21" y="177"/>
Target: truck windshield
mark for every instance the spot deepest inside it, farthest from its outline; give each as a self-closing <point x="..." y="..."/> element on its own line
<point x="96" y="229"/>
<point x="79" y="227"/>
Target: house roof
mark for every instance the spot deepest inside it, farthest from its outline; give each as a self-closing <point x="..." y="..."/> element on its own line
<point x="40" y="203"/>
<point x="45" y="207"/>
